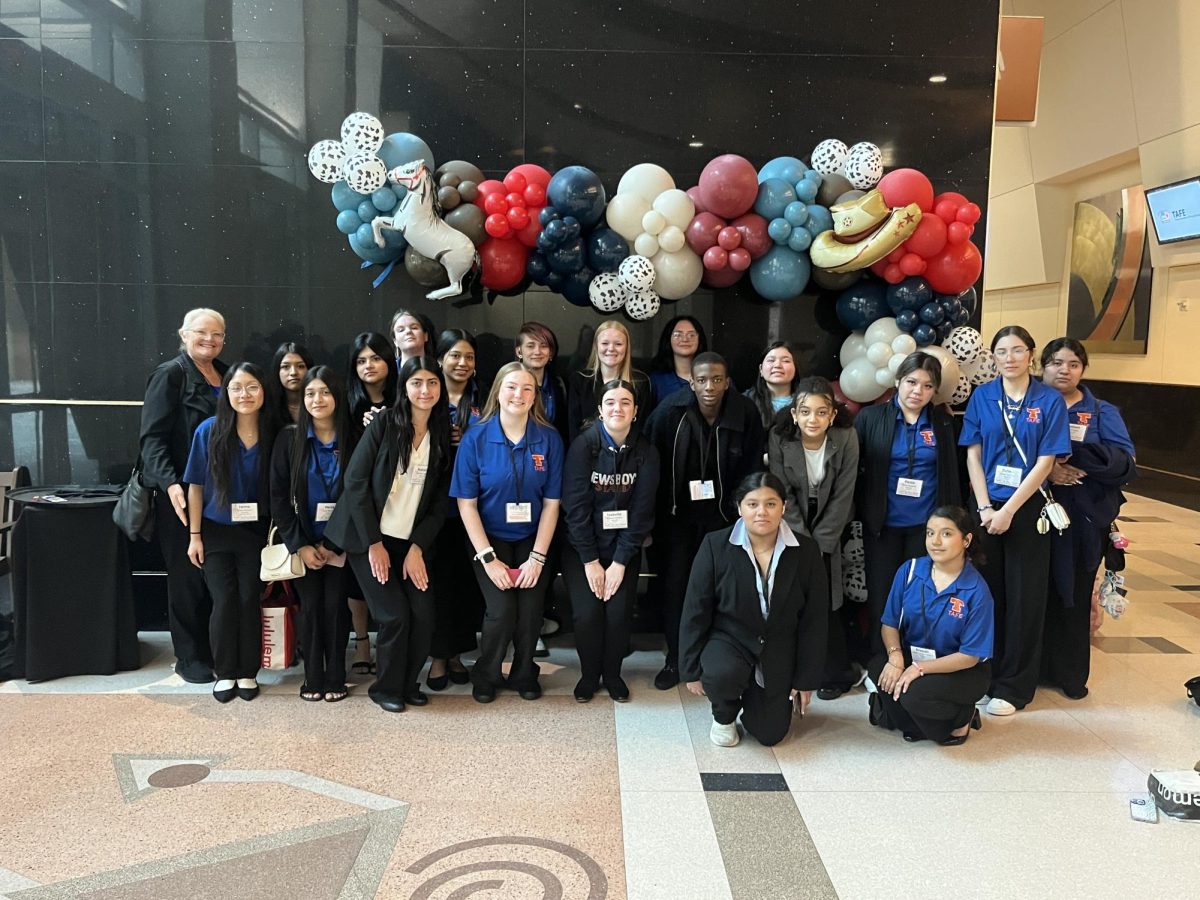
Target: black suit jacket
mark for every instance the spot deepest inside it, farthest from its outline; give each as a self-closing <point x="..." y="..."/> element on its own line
<point x="366" y="482"/>
<point x="177" y="400"/>
<point x="722" y="604"/>
<point x="290" y="513"/>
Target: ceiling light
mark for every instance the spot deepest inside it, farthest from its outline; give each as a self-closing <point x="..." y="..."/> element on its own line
<point x="695" y="145"/>
<point x="937" y="79"/>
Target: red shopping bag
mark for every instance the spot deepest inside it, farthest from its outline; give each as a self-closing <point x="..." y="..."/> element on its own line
<point x="278" y="625"/>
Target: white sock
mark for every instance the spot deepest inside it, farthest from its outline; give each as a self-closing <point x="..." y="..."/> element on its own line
<point x="225" y="684"/>
<point x="247" y="683"/>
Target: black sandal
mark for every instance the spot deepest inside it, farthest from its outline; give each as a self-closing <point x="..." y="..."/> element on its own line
<point x="335" y="696"/>
<point x="459" y="675"/>
<point x="309" y="695"/>
<point x="362" y="666"/>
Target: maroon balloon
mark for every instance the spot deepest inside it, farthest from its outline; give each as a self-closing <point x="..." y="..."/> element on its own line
<point x="702" y="232"/>
<point x="753" y="229"/>
<point x="697" y="200"/>
<point x="716" y="258"/>
<point x="729" y="185"/>
<point x="740" y="259"/>
<point x="728" y="238"/>
<point x="721" y="278"/>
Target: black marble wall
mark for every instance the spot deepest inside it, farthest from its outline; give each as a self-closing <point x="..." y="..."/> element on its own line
<point x="152" y="160"/>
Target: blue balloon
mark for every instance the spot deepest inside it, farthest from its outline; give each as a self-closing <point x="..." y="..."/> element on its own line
<point x="399" y="190"/>
<point x="819" y="219"/>
<point x="573" y="228"/>
<point x="943" y="331"/>
<point x="788" y="168"/>
<point x="384" y="199"/>
<point x="780" y="274"/>
<point x="567" y="258"/>
<point x="779" y="230"/>
<point x="544" y="242"/>
<point x="799" y="240"/>
<point x="394" y="239"/>
<point x="365" y="236"/>
<point x="861" y="304"/>
<point x="348" y="221"/>
<point x="575" y="286"/>
<point x="344" y="198"/>
<point x="774" y="195"/>
<point x="606" y="249"/>
<point x="367" y="210"/>
<point x="577" y="191"/>
<point x="924" y="335"/>
<point x="537" y="268"/>
<point x="372" y="253"/>
<point x="969" y="300"/>
<point x="555" y="233"/>
<point x="950" y="305"/>
<point x="548" y="215"/>
<point x="402" y="147"/>
<point x="796" y="214"/>
<point x="806" y="190"/>
<point x="960" y="317"/>
<point x="554" y="281"/>
<point x="932" y="314"/>
<point x="911" y="293"/>
<point x="907" y="320"/>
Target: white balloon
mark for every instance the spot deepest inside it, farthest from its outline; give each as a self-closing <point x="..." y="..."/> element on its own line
<point x="362" y="132"/>
<point x="858" y="381"/>
<point x="863" y="166"/>
<point x="677" y="273"/>
<point x="982" y="370"/>
<point x="646" y="179"/>
<point x="364" y="172"/>
<point x="624" y="214"/>
<point x="653" y="222"/>
<point x="676" y="206"/>
<point x="884" y="330"/>
<point x="852" y="348"/>
<point x="904" y="343"/>
<point x="879" y="353"/>
<point x="645" y="245"/>
<point x="895" y="362"/>
<point x="643" y="305"/>
<point x="325" y="161"/>
<point x="636" y="273"/>
<point x="962" y="390"/>
<point x="606" y="292"/>
<point x="884" y="377"/>
<point x="671" y="239"/>
<point x="950" y="372"/>
<point x="828" y="156"/>
<point x="964" y="343"/>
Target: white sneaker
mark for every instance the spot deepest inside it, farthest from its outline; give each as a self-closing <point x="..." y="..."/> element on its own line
<point x="998" y="707"/>
<point x="724" y="735"/>
<point x="983" y="701"/>
<point x="869" y="685"/>
<point x="863" y="677"/>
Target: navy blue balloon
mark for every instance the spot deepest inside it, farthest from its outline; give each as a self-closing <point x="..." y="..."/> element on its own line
<point x="943" y="331"/>
<point x="961" y="317"/>
<point x="950" y="305"/>
<point x="575" y="286"/>
<point x="907" y="320"/>
<point x="932" y="314"/>
<point x="861" y="304"/>
<point x="924" y="335"/>
<point x="606" y="249"/>
<point x="548" y="215"/>
<point x="567" y="258"/>
<point x="544" y="242"/>
<point x="555" y="232"/>
<point x="577" y="191"/>
<point x="969" y="300"/>
<point x="554" y="281"/>
<point x="537" y="268"/>
<point x="911" y="293"/>
<point x="573" y="228"/>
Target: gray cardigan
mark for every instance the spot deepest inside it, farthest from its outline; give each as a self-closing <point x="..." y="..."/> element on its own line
<point x="835" y="494"/>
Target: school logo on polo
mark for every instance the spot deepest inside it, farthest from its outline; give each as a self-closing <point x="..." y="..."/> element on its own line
<point x="927" y="436"/>
<point x="955" y="608"/>
<point x="539" y="461"/>
<point x="1084" y="418"/>
<point x="1033" y="414"/>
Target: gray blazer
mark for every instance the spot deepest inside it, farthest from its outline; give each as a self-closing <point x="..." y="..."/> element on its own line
<point x="835" y="494"/>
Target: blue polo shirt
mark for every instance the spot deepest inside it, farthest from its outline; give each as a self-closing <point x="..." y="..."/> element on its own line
<point x="1039" y="423"/>
<point x="956" y="620"/>
<point x="494" y="471"/>
<point x="550" y="398"/>
<point x="914" y="455"/>
<point x="324" y="477"/>
<point x="664" y="384"/>
<point x="1099" y="422"/>
<point x="243" y="480"/>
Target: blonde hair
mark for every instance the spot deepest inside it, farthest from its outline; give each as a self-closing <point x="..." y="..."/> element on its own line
<point x="492" y="406"/>
<point x="593" y="363"/>
<point x="190" y="317"/>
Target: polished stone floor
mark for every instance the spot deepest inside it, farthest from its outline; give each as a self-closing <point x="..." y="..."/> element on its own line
<point x="140" y="786"/>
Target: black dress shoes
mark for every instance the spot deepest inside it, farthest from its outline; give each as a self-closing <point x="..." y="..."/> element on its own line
<point x="194" y="672"/>
<point x="617" y="689"/>
<point x="439" y="683"/>
<point x="224" y="695"/>
<point x="532" y="693"/>
<point x="389" y="704"/>
<point x="458" y="676"/>
<point x="417" y="698"/>
<point x="667" y="678"/>
<point x="584" y="691"/>
<point x="483" y="694"/>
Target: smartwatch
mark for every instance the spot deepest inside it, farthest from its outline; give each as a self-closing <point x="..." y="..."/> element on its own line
<point x="486" y="556"/>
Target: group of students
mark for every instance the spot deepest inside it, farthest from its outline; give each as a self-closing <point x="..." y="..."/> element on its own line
<point x="446" y="511"/>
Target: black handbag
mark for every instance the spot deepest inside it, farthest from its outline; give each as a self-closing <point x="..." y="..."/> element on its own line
<point x="134" y="512"/>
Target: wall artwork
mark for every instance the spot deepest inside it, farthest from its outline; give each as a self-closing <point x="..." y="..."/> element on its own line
<point x="1108" y="301"/>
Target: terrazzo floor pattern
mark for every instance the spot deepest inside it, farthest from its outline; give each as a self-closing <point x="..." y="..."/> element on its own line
<point x="139" y="785"/>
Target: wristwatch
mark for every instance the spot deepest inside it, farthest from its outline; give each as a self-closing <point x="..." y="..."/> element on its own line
<point x="486" y="555"/>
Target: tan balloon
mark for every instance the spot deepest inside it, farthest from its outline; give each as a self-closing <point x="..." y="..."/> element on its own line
<point x="647" y="179"/>
<point x="677" y="208"/>
<point x="671" y="239"/>
<point x="624" y="214"/>
<point x="677" y="274"/>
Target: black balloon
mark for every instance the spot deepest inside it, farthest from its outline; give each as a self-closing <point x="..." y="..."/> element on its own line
<point x="835" y="281"/>
<point x="606" y="249"/>
<point x="448" y="198"/>
<point x="832" y="187"/>
<point x="424" y="271"/>
<point x="575" y="286"/>
<point x="468" y="218"/>
<point x="469" y="191"/>
<point x="464" y="170"/>
<point x="911" y="293"/>
<point x="449" y="179"/>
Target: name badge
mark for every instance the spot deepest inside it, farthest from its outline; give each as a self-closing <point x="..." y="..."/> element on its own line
<point x="909" y="487"/>
<point x="325" y="511"/>
<point x="615" y="518"/>
<point x="1078" y="432"/>
<point x="922" y="654"/>
<point x="417" y="475"/>
<point x="243" y="512"/>
<point x="702" y="490"/>
<point x="1009" y="476"/>
<point x="518" y="512"/>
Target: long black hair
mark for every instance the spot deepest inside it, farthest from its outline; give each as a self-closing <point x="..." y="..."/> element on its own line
<point x="1064" y="343"/>
<point x="356" y="392"/>
<point x="341" y="427"/>
<point x="223" y="444"/>
<point x="761" y="392"/>
<point x="471" y="398"/>
<point x="276" y="395"/>
<point x="664" y="358"/>
<point x="400" y="415"/>
<point x="810" y="386"/>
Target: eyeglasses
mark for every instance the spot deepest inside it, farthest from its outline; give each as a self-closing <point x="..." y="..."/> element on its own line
<point x="208" y="335"/>
<point x="248" y="389"/>
<point x="1014" y="353"/>
<point x="685" y="335"/>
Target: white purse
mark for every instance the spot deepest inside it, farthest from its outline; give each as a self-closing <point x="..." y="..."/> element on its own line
<point x="1053" y="513"/>
<point x="276" y="564"/>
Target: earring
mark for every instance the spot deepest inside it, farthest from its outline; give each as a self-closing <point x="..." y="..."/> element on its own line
<point x="635" y="418"/>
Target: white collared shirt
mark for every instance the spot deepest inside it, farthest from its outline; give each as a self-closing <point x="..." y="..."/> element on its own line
<point x="741" y="537"/>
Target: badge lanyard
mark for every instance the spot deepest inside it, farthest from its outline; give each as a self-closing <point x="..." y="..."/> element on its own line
<point x="1011" y="439"/>
<point x="518" y="471"/>
<point x="704" y="448"/>
<point x="330" y="486"/>
<point x="912" y="444"/>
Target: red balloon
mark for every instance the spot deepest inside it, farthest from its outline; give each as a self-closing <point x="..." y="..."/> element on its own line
<point x="515" y="182"/>
<point x="929" y="238"/>
<point x="896" y="255"/>
<point x="503" y="263"/>
<point x="729" y="238"/>
<point x="529" y="234"/>
<point x="946" y="210"/>
<point x="851" y="406"/>
<point x="716" y="258"/>
<point x="533" y="174"/>
<point x="912" y="264"/>
<point x="729" y="185"/>
<point x="702" y="232"/>
<point x="901" y="187"/>
<point x="535" y="195"/>
<point x="518" y="217"/>
<point x="753" y="229"/>
<point x="957" y="232"/>
<point x="880" y="267"/>
<point x="721" y="278"/>
<point x="491" y="186"/>
<point x="514" y="199"/>
<point x="954" y="196"/>
<point x="969" y="213"/>
<point x="892" y="274"/>
<point x="495" y="204"/>
<point x="697" y="200"/>
<point x="740" y="259"/>
<point x="954" y="269"/>
<point x="497" y="225"/>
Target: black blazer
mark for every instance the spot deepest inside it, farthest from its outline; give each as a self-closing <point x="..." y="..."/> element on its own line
<point x="177" y="400"/>
<point x="876" y="427"/>
<point x="366" y="482"/>
<point x="722" y="605"/>
<point x="290" y="514"/>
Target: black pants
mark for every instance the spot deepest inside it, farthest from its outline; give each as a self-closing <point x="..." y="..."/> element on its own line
<point x="885" y="553"/>
<point x="934" y="705"/>
<point x="601" y="629"/>
<point x="673" y="552"/>
<point x="459" y="603"/>
<point x="189" y="604"/>
<point x="1017" y="571"/>
<point x="405" y="615"/>
<point x="324" y="627"/>
<point x="513" y="616"/>
<point x="1067" y="636"/>
<point x="231" y="566"/>
<point x="728" y="680"/>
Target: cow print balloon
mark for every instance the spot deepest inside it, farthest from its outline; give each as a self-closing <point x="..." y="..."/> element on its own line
<point x="325" y="161"/>
<point x="643" y="305"/>
<point x="362" y="132"/>
<point x="637" y="273"/>
<point x="364" y="173"/>
<point x="962" y="390"/>
<point x="852" y="549"/>
<point x="828" y="156"/>
<point x="606" y="292"/>
<point x="864" y="166"/>
<point x="854" y="582"/>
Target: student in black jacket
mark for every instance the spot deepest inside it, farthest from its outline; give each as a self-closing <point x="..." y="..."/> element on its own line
<point x="708" y="440"/>
<point x="611" y="357"/>
<point x="392" y="507"/>
<point x="907" y="466"/>
<point x="306" y="481"/>
<point x="609" y="483"/>
<point x="180" y="394"/>
<point x="753" y="632"/>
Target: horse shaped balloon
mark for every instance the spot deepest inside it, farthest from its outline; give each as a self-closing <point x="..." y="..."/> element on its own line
<point x="419" y="219"/>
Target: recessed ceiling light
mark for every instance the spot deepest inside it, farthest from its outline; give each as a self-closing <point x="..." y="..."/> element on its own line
<point x="580" y="105"/>
<point x="696" y="145"/>
<point x="937" y="79"/>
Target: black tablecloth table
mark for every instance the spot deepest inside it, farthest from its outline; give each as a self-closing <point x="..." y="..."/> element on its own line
<point x="73" y="610"/>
